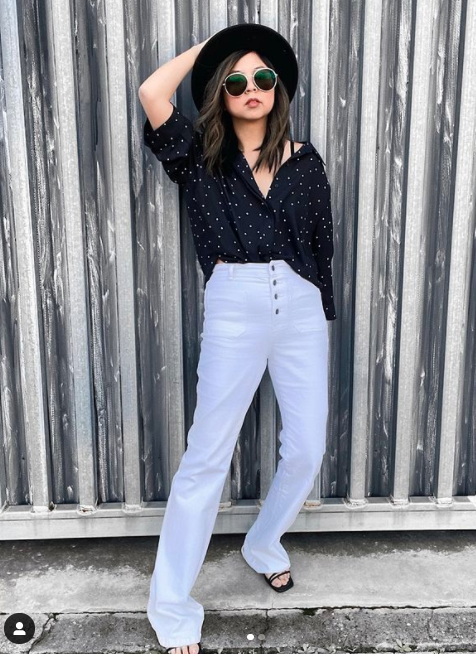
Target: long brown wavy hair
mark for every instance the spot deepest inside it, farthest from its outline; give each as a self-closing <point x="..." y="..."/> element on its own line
<point x="220" y="143"/>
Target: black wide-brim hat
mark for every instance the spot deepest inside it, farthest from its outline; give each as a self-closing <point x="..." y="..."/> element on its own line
<point x="245" y="36"/>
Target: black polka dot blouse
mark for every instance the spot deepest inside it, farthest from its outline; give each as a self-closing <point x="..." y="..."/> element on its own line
<point x="231" y="219"/>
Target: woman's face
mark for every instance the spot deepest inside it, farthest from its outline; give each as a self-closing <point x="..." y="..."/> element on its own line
<point x="237" y="107"/>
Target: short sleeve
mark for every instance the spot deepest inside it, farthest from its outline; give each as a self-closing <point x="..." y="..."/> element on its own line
<point x="323" y="246"/>
<point x="171" y="143"/>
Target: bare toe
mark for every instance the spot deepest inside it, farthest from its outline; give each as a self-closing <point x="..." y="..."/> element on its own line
<point x="280" y="581"/>
<point x="186" y="649"/>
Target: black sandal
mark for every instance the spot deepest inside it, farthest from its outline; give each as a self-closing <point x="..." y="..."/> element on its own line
<point x="281" y="589"/>
<point x="169" y="649"/>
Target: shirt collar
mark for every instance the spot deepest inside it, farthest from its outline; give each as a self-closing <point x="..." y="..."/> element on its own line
<point x="242" y="168"/>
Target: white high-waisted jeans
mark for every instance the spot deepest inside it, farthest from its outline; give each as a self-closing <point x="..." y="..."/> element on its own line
<point x="256" y="314"/>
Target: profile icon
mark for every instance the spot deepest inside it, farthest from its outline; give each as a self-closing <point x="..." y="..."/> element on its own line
<point x="19" y="628"/>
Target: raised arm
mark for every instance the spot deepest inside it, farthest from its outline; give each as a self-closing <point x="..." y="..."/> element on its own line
<point x="157" y="90"/>
<point x="167" y="132"/>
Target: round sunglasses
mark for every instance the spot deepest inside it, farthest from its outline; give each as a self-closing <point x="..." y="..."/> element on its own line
<point x="264" y="78"/>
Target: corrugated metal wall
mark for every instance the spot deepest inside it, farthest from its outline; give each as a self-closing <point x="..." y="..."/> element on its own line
<point x="102" y="296"/>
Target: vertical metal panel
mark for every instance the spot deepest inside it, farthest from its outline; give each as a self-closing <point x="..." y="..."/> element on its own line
<point x="391" y="177"/>
<point x="24" y="470"/>
<point x="412" y="287"/>
<point x="121" y="203"/>
<point x="70" y="211"/>
<point x="364" y="334"/>
<point x="160" y="337"/>
<point x="336" y="135"/>
<point x="98" y="387"/>
<point x="319" y="86"/>
<point x="458" y="400"/>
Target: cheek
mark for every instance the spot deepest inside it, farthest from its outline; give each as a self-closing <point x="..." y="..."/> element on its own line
<point x="268" y="104"/>
<point x="269" y="100"/>
<point x="233" y="106"/>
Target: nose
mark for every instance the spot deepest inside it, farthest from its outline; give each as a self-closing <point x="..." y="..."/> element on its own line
<point x="251" y="86"/>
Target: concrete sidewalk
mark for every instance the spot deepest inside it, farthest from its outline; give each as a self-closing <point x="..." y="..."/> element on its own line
<point x="353" y="592"/>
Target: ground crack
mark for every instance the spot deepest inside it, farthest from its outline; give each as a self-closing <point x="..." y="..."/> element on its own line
<point x="45" y="629"/>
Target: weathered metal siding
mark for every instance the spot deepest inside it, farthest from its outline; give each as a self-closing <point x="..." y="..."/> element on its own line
<point x="102" y="296"/>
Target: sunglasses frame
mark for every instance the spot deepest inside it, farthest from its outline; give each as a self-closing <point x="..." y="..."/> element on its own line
<point x="247" y="78"/>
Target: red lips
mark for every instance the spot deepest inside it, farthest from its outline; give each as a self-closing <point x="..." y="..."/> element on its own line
<point x="253" y="100"/>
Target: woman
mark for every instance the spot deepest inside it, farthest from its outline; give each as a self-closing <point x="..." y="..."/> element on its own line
<point x="260" y="213"/>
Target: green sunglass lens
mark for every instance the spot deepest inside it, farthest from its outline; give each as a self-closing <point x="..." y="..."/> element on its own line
<point x="236" y="84"/>
<point x="265" y="79"/>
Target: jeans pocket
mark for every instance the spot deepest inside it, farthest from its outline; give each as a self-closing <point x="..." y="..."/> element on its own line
<point x="225" y="305"/>
<point x="307" y="313"/>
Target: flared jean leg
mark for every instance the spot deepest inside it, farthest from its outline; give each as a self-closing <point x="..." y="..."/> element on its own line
<point x="230" y="368"/>
<point x="298" y="370"/>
